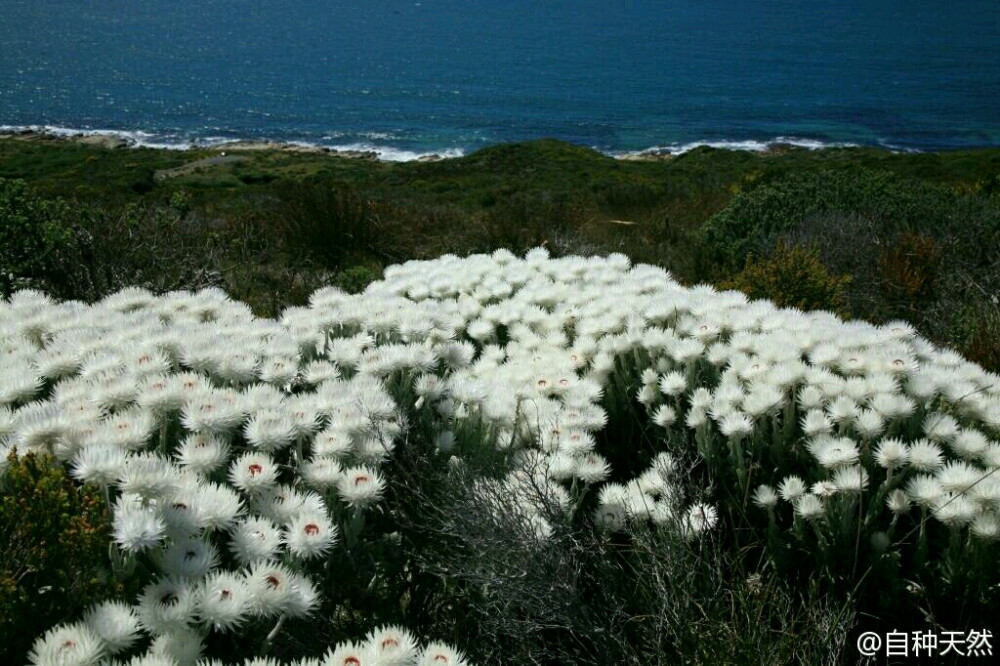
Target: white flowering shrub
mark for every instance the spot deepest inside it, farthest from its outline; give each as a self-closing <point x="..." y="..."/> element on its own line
<point x="241" y="456"/>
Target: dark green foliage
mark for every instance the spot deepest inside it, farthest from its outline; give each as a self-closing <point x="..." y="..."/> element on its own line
<point x="893" y="204"/>
<point x="271" y="226"/>
<point x="325" y="221"/>
<point x="53" y="552"/>
<point x="42" y="243"/>
<point x="354" y="279"/>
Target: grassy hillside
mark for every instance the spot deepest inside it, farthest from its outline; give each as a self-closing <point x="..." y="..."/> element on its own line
<point x="915" y="232"/>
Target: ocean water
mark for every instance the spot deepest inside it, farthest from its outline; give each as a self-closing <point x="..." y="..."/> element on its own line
<point x="449" y="76"/>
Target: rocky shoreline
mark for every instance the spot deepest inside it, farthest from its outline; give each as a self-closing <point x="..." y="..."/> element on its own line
<point x="115" y="141"/>
<point x="111" y="141"/>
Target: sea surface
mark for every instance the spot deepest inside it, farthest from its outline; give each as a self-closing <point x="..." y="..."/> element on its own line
<point x="408" y="78"/>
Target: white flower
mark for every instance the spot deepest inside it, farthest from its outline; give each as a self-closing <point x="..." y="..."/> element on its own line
<point x="223" y="601"/>
<point x="202" y="453"/>
<point x="440" y="654"/>
<point x="959" y="477"/>
<point x="735" y="425"/>
<point x="255" y="539"/>
<point x="166" y="606"/>
<point x="986" y="526"/>
<point x="815" y="422"/>
<point x="349" y="654"/>
<point x="269" y="430"/>
<point x="832" y="452"/>
<point x="137" y="527"/>
<point x="610" y="517"/>
<point x="791" y="488"/>
<point x="592" y="468"/>
<point x="851" y="479"/>
<point x="940" y="427"/>
<point x="969" y="444"/>
<point x="182" y="646"/>
<point x="808" y="507"/>
<point x="276" y="591"/>
<point x="115" y="623"/>
<point x="664" y="416"/>
<point x="67" y="645"/>
<point x="898" y="502"/>
<point x="149" y="476"/>
<point x="360" y="486"/>
<point x="925" y="456"/>
<point x="191" y="558"/>
<point x="218" y="506"/>
<point x="392" y="646"/>
<point x="765" y="497"/>
<point x="310" y="534"/>
<point x="842" y="409"/>
<point x="673" y="384"/>
<point x="698" y="519"/>
<point x="823" y="489"/>
<point x="924" y="490"/>
<point x="253" y="472"/>
<point x="892" y="453"/>
<point x="954" y="510"/>
<point x="100" y="463"/>
<point x="321" y="473"/>
<point x="869" y="423"/>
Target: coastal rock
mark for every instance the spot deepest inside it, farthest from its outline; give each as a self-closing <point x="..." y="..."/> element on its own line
<point x="108" y="141"/>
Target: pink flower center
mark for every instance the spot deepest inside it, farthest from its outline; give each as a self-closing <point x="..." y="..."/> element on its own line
<point x="312" y="529"/>
<point x="255" y="469"/>
<point x="361" y="478"/>
<point x="352" y="661"/>
<point x="225" y="594"/>
<point x="387" y="642"/>
<point x="273" y="581"/>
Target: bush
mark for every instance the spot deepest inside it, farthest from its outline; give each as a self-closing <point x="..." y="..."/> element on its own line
<point x="42" y="244"/>
<point x="54" y="559"/>
<point x="324" y="221"/>
<point x="355" y="279"/>
<point x="758" y="217"/>
<point x="907" y="271"/>
<point x="792" y="277"/>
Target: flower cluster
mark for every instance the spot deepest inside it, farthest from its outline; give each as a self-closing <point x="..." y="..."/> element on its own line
<point x="112" y="627"/>
<point x="205" y="424"/>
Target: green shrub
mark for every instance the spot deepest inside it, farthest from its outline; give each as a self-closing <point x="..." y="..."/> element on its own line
<point x="42" y="244"/>
<point x="907" y="272"/>
<point x="757" y="217"/>
<point x="53" y="559"/>
<point x="354" y="279"/>
<point x="792" y="277"/>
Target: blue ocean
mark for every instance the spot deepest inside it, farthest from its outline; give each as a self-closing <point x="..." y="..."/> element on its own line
<point x="407" y="78"/>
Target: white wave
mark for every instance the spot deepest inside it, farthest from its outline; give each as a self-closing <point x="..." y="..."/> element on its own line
<point x="141" y="139"/>
<point x="747" y="145"/>
<point x="390" y="154"/>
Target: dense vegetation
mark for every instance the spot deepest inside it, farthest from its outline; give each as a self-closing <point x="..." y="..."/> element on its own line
<point x="916" y="234"/>
<point x="858" y="232"/>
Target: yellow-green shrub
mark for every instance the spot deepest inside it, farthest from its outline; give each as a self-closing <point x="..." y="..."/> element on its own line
<point x="792" y="277"/>
<point x="53" y="551"/>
